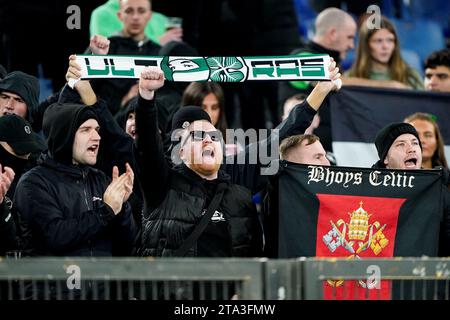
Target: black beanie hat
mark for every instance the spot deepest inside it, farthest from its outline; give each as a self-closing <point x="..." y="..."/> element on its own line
<point x="386" y="137"/>
<point x="24" y="85"/>
<point x="186" y="115"/>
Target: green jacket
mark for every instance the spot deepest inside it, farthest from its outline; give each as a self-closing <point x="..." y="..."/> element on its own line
<point x="104" y="21"/>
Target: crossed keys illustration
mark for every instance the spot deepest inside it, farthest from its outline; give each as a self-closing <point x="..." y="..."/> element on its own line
<point x="360" y="233"/>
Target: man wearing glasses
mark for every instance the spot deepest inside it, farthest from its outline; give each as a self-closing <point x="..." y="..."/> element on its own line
<point x="178" y="197"/>
<point x="197" y="207"/>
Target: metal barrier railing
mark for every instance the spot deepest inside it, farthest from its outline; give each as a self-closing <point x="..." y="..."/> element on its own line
<point x="131" y="278"/>
<point x="222" y="279"/>
<point x="398" y="278"/>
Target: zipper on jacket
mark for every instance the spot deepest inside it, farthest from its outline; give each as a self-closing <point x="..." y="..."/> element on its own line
<point x="91" y="251"/>
<point x="84" y="191"/>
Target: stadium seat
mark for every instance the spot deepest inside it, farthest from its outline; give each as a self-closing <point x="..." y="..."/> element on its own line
<point x="413" y="60"/>
<point x="420" y="36"/>
<point x="436" y="10"/>
<point x="348" y="61"/>
<point x="304" y="14"/>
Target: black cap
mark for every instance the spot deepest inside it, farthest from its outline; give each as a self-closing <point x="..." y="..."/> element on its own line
<point x="17" y="132"/>
<point x="186" y="115"/>
<point x="24" y="85"/>
<point x="386" y="137"/>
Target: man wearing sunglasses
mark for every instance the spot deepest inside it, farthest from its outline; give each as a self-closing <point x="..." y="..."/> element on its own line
<point x="179" y="197"/>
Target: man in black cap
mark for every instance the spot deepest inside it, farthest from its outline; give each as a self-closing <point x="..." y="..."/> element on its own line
<point x="19" y="94"/>
<point x="398" y="146"/>
<point x="19" y="147"/>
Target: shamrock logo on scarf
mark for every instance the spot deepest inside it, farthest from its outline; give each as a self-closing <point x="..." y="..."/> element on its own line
<point x="226" y="69"/>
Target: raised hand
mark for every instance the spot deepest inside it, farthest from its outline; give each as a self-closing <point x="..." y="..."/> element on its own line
<point x="151" y="79"/>
<point x="115" y="191"/>
<point x="323" y="88"/>
<point x="120" y="189"/>
<point x="74" y="70"/>
<point x="336" y="82"/>
<point x="83" y="87"/>
<point x="174" y="34"/>
<point x="99" y="45"/>
<point x="6" y="178"/>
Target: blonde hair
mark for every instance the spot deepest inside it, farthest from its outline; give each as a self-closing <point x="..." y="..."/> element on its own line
<point x="291" y="142"/>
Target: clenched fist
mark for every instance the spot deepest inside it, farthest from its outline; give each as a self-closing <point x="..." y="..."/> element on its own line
<point x="151" y="79"/>
<point x="99" y="45"/>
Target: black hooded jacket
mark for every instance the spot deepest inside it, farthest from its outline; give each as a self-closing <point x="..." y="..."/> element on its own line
<point x="24" y="85"/>
<point x="60" y="205"/>
<point x="7" y="227"/>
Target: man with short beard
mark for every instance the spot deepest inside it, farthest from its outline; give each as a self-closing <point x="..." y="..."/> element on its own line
<point x="177" y="199"/>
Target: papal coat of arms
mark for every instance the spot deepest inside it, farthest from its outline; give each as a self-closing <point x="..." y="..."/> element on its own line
<point x="356" y="236"/>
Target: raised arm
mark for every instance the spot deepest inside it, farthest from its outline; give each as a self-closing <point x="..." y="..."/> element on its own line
<point x="152" y="169"/>
<point x="299" y="119"/>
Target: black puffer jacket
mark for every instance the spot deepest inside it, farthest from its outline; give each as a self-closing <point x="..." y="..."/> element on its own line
<point x="165" y="228"/>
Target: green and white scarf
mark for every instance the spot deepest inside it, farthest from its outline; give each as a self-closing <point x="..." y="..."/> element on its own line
<point x="217" y="69"/>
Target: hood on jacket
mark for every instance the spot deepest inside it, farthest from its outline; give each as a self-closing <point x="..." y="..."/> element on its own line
<point x="122" y="116"/>
<point x="60" y="123"/>
<point x="24" y="85"/>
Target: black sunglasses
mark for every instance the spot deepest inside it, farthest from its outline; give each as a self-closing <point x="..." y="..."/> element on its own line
<point x="201" y="135"/>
